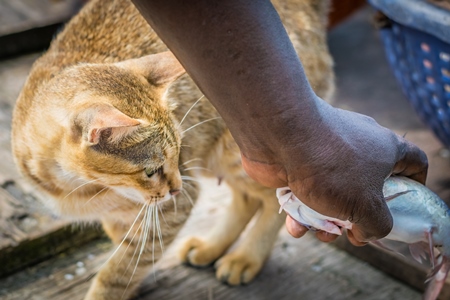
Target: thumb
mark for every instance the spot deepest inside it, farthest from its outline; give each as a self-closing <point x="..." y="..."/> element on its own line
<point x="373" y="221"/>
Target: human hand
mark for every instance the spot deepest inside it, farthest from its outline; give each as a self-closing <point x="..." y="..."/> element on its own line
<point x="334" y="161"/>
<point x="338" y="167"/>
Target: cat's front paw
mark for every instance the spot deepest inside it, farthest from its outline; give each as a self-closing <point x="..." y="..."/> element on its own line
<point x="237" y="268"/>
<point x="198" y="253"/>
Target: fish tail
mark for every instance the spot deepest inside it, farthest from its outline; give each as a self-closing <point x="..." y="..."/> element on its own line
<point x="437" y="279"/>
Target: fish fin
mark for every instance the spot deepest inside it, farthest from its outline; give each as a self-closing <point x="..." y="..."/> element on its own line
<point x="437" y="280"/>
<point x="431" y="247"/>
<point x="384" y="246"/>
<point x="436" y="268"/>
<point x="391" y="197"/>
<point x="419" y="251"/>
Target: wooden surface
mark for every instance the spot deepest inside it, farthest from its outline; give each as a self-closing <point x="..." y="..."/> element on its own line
<point x="297" y="269"/>
<point x="342" y="9"/>
<point x="28" y="232"/>
<point x="29" y="25"/>
<point x="442" y="3"/>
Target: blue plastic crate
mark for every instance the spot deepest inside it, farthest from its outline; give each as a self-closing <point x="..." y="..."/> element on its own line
<point x="417" y="44"/>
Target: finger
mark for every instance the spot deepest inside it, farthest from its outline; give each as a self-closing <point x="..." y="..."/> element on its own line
<point x="373" y="220"/>
<point x="294" y="228"/>
<point x="413" y="162"/>
<point x="270" y="175"/>
<point x="326" y="236"/>
<point x="354" y="240"/>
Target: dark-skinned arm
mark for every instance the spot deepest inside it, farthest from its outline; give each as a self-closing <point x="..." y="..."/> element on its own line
<point x="238" y="53"/>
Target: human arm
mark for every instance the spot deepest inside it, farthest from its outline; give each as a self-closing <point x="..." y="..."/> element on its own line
<point x="240" y="56"/>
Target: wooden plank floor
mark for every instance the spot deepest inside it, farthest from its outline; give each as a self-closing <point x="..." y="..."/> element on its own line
<point x="28" y="232"/>
<point x="320" y="272"/>
<point x="29" y="25"/>
<point x="302" y="268"/>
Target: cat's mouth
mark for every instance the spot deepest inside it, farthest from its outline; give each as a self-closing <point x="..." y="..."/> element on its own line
<point x="136" y="196"/>
<point x="159" y="199"/>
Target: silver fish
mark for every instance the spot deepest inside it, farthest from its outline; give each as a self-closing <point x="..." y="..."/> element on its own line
<point x="421" y="220"/>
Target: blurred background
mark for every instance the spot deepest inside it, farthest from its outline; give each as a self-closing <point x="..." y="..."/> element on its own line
<point x="46" y="257"/>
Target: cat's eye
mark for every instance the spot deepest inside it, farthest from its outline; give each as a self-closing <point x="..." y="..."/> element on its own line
<point x="150" y="172"/>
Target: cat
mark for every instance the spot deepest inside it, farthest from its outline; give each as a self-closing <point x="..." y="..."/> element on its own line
<point x="109" y="127"/>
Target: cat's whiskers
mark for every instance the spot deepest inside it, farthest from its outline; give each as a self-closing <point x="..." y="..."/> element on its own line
<point x="186" y="194"/>
<point x="189" y="185"/>
<point x="154" y="211"/>
<point x="162" y="215"/>
<point x="174" y="199"/>
<point x="197" y="168"/>
<point x="182" y="146"/>
<point x="142" y="241"/>
<point x="191" y="160"/>
<point x="80" y="186"/>
<point x="138" y="232"/>
<point x="135" y="249"/>
<point x="105" y="188"/>
<point x="158" y="228"/>
<point x="69" y="177"/>
<point x="155" y="226"/>
<point x="131" y="241"/>
<point x="189" y="110"/>
<point x="200" y="123"/>
<point x="190" y="178"/>
<point x="123" y="240"/>
<point x="151" y="222"/>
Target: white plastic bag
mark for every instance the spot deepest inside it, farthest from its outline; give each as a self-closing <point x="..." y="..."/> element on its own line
<point x="307" y="216"/>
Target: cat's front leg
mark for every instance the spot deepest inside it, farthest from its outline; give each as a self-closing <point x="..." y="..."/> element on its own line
<point x="202" y="252"/>
<point x="242" y="264"/>
<point x="129" y="263"/>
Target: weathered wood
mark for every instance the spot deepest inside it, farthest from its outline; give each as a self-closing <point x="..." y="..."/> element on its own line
<point x="405" y="269"/>
<point x="34" y="249"/>
<point x="22" y="15"/>
<point x="29" y="25"/>
<point x="11" y="211"/>
<point x="303" y="268"/>
<point x="298" y="269"/>
<point x="63" y="277"/>
<point x="342" y="9"/>
<point x="441" y="3"/>
<point x="29" y="233"/>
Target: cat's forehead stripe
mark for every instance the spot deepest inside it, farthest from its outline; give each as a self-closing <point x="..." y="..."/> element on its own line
<point x="148" y="151"/>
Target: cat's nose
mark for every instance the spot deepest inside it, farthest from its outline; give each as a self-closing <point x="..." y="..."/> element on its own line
<point x="174" y="192"/>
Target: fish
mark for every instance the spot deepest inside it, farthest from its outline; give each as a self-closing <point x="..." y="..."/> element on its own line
<point x="420" y="219"/>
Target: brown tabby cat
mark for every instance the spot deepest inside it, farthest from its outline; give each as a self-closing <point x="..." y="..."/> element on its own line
<point x="98" y="130"/>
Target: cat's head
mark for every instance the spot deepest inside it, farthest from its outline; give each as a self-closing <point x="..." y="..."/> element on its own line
<point x="119" y="131"/>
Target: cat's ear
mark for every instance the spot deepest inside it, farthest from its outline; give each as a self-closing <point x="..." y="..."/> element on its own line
<point x="106" y="121"/>
<point x="159" y="69"/>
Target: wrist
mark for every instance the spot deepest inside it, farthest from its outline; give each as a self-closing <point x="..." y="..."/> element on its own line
<point x="272" y="137"/>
